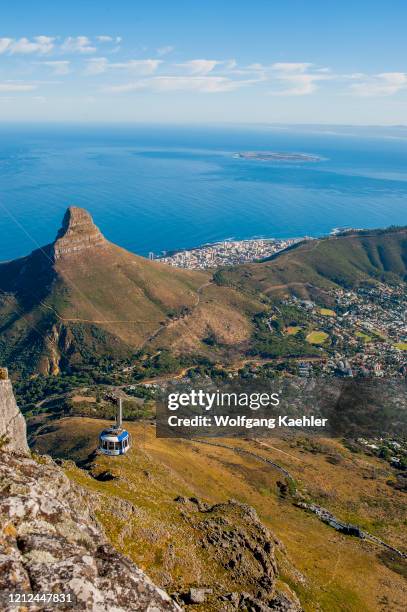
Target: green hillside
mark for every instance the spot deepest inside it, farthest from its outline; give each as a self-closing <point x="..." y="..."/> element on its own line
<point x="346" y="260"/>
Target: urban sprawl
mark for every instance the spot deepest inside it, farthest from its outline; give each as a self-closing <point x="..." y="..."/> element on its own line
<point x="227" y="253"/>
<point x="364" y="333"/>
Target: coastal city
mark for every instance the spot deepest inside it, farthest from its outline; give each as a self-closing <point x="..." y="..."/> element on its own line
<point x="364" y="334"/>
<point x="227" y="253"/>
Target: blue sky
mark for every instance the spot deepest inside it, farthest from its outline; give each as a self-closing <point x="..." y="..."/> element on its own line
<point x="204" y="62"/>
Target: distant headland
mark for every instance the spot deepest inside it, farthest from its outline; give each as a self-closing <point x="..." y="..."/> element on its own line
<point x="278" y="156"/>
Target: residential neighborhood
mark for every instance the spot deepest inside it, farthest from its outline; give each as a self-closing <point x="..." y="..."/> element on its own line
<point x="363" y="334"/>
<point x="227" y="253"/>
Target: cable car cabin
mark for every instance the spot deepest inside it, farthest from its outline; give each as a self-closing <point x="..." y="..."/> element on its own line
<point x="114" y="441"/>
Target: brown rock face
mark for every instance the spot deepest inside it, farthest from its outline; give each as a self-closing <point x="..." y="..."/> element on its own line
<point x="12" y="423"/>
<point x="78" y="233"/>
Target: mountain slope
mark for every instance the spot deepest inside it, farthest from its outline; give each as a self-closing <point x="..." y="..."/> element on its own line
<point x="83" y="291"/>
<point x="159" y="476"/>
<point x="83" y="300"/>
<point x="346" y="260"/>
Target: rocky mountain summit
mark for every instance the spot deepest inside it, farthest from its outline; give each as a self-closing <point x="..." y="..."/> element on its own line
<point x="82" y="297"/>
<point x="49" y="540"/>
<point x="78" y="232"/>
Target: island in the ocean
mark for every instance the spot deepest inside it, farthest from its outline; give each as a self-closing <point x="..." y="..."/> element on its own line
<point x="278" y="156"/>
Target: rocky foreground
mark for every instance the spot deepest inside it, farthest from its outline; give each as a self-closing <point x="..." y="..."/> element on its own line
<point x="50" y="543"/>
<point x="49" y="540"/>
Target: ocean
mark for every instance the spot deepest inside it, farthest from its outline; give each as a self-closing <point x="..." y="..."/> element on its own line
<point x="157" y="188"/>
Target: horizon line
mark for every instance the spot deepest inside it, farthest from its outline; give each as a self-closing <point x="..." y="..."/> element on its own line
<point x="25" y="122"/>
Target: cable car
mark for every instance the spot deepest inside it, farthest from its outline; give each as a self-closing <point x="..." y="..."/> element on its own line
<point x="115" y="440"/>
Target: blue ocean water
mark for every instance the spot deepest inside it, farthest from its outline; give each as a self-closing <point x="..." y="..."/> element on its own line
<point x="157" y="188"/>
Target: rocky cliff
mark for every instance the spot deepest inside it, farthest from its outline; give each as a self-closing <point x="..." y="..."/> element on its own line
<point x="78" y="233"/>
<point x="12" y="423"/>
<point x="49" y="540"/>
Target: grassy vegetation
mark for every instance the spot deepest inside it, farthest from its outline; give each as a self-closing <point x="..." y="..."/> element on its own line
<point x="327" y="312"/>
<point x="29" y="392"/>
<point x="347" y="260"/>
<point x="378" y="335"/>
<point x="157" y="470"/>
<point x="317" y="337"/>
<point x="363" y="336"/>
<point x="278" y="343"/>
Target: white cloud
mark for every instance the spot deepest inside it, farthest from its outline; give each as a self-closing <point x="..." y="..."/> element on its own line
<point x="99" y="65"/>
<point x="161" y="51"/>
<point x="5" y="44"/>
<point x="355" y="75"/>
<point x="199" y="66"/>
<point x="196" y="75"/>
<point x="39" y="44"/>
<point x="146" y="66"/>
<point x="16" y="87"/>
<point x="45" y="44"/>
<point x="291" y="67"/>
<point x="58" y="67"/>
<point x="134" y="86"/>
<point x="230" y="64"/>
<point x="256" y="67"/>
<point x="299" y="84"/>
<point x="78" y="44"/>
<point x="297" y="78"/>
<point x="96" y="65"/>
<point x="202" y="84"/>
<point x="207" y="84"/>
<point x="287" y="78"/>
<point x="382" y="84"/>
<point x="105" y="38"/>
